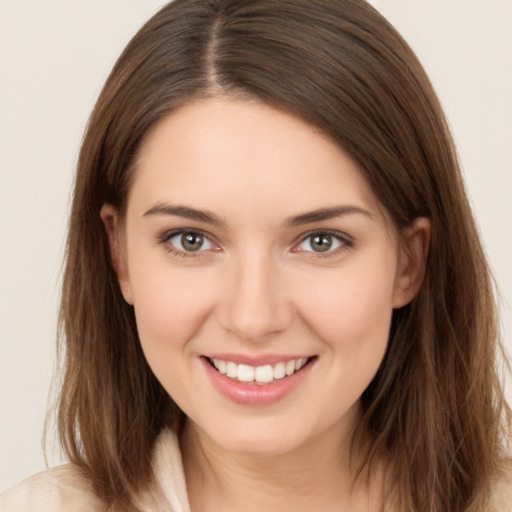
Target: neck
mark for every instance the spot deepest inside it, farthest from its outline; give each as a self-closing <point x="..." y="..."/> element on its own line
<point x="314" y="476"/>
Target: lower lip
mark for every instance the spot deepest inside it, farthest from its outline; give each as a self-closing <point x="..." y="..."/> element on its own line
<point x="245" y="393"/>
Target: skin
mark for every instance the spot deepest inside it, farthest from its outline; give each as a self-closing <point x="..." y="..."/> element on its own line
<point x="257" y="287"/>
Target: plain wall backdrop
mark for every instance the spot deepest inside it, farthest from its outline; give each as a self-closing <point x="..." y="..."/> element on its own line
<point x="54" y="58"/>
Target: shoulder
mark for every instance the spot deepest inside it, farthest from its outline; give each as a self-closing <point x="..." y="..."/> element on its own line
<point x="67" y="488"/>
<point x="62" y="488"/>
<point x="502" y="489"/>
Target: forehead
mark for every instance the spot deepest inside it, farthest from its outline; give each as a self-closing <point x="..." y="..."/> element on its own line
<point x="224" y="152"/>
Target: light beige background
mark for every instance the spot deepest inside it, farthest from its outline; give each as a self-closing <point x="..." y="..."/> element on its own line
<point x="54" y="57"/>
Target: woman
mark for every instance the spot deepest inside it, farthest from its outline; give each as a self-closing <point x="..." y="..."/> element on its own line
<point x="275" y="296"/>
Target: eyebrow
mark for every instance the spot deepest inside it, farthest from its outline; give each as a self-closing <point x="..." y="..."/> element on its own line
<point x="326" y="214"/>
<point x="187" y="213"/>
<point x="297" y="220"/>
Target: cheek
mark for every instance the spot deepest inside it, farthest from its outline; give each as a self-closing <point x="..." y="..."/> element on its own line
<point x="351" y="314"/>
<point x="169" y="309"/>
<point x="351" y="310"/>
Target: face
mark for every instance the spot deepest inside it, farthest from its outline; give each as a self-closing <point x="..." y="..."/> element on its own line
<point x="262" y="272"/>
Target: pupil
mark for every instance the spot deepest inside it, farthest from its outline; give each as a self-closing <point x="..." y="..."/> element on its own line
<point x="191" y="241"/>
<point x="321" y="243"/>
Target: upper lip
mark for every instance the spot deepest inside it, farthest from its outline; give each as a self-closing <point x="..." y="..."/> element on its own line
<point x="256" y="361"/>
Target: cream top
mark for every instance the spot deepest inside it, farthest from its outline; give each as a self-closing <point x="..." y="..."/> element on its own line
<point x="65" y="488"/>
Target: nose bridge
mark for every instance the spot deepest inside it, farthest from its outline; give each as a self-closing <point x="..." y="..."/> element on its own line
<point x="255" y="305"/>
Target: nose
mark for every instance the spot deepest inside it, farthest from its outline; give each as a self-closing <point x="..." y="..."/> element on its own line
<point x="255" y="306"/>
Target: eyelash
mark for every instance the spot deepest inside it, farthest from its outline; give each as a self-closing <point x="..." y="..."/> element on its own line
<point x="345" y="241"/>
<point x="166" y="237"/>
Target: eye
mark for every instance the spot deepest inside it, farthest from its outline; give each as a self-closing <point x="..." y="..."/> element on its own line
<point x="189" y="241"/>
<point x="323" y="242"/>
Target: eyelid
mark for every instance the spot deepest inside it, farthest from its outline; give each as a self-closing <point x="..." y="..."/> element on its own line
<point x="168" y="235"/>
<point x="345" y="240"/>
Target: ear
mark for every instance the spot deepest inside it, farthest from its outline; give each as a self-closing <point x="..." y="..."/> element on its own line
<point x="412" y="261"/>
<point x="110" y="217"/>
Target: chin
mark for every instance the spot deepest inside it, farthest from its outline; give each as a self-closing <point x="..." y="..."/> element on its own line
<point x="272" y="445"/>
<point x="261" y="438"/>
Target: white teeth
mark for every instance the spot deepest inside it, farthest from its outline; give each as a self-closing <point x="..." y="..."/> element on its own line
<point x="231" y="369"/>
<point x="245" y="373"/>
<point x="290" y="367"/>
<point x="220" y="365"/>
<point x="279" y="371"/>
<point x="264" y="374"/>
<point x="260" y="374"/>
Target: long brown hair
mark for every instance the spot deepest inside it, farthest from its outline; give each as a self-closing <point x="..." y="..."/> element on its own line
<point x="435" y="410"/>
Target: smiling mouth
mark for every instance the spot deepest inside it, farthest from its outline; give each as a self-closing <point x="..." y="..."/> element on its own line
<point x="259" y="375"/>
